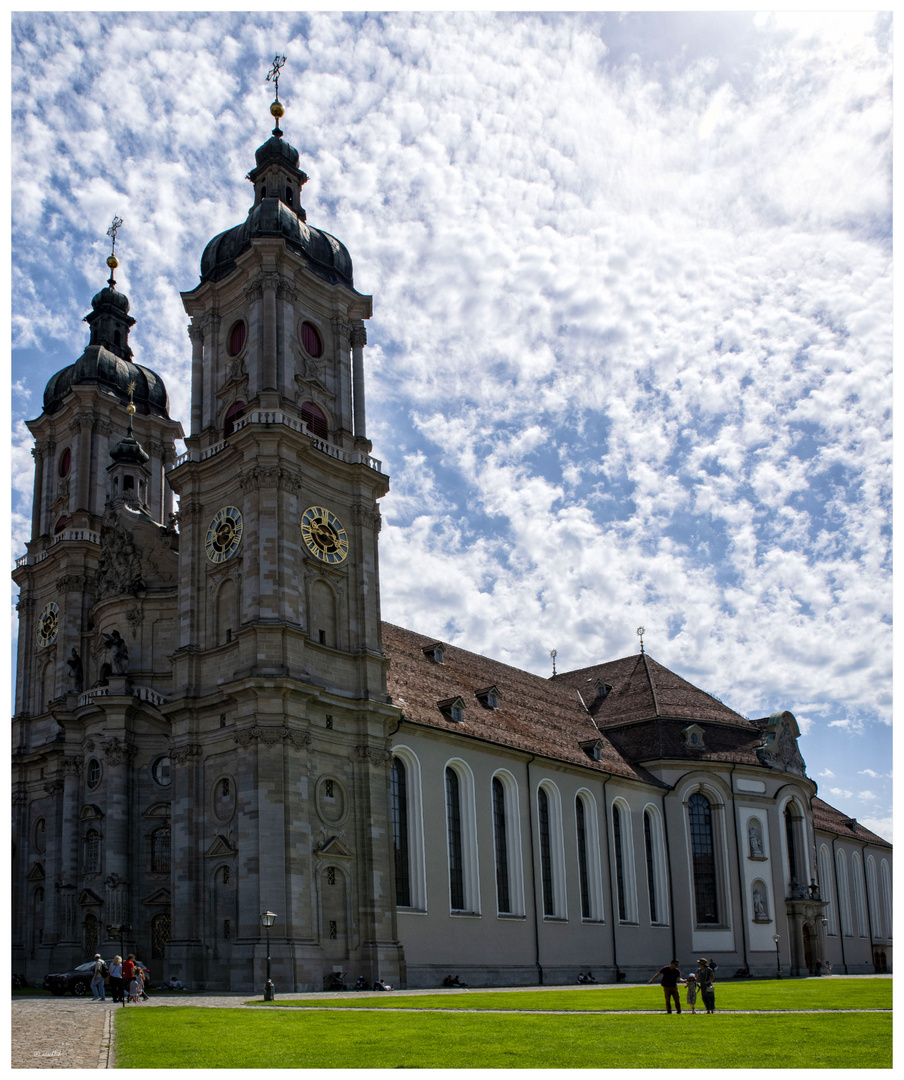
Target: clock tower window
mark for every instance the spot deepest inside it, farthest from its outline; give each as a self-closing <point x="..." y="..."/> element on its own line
<point x="311" y="340"/>
<point x="314" y="419"/>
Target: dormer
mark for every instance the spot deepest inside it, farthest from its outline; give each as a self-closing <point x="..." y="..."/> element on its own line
<point x="452" y="709"/>
<point x="593" y="748"/>
<point x="488" y="697"/>
<point x="693" y="737"/>
<point x="435" y="652"/>
<point x="603" y="690"/>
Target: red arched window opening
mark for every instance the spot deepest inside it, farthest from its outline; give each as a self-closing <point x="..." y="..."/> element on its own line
<point x="65" y="462"/>
<point x="61" y="524"/>
<point x="314" y="418"/>
<point x="311" y="340"/>
<point x="237" y="338"/>
<point x="234" y="413"/>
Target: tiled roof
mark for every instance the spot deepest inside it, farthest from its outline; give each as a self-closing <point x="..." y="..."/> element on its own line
<point x="643" y="689"/>
<point x="534" y="714"/>
<point x="831" y="820"/>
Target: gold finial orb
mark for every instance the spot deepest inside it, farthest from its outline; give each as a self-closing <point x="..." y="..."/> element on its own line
<point x="130" y="409"/>
<point x="112" y="262"/>
<point x="277" y="110"/>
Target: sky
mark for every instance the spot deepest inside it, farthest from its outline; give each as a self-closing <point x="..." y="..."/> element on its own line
<point x="630" y="358"/>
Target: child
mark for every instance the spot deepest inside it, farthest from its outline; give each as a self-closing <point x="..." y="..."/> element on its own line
<point x="692" y="993"/>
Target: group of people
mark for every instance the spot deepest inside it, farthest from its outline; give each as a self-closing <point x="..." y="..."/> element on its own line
<point x="453" y="981"/>
<point x="702" y="980"/>
<point x="380" y="984"/>
<point x="126" y="979"/>
<point x="588" y="978"/>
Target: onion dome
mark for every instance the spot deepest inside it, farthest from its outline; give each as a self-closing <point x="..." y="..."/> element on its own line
<point x="277" y="212"/>
<point x="107" y="360"/>
<point x="129" y="451"/>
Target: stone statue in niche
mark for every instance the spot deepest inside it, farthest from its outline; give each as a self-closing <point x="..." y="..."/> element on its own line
<point x="759" y="906"/>
<point x="119" y="653"/>
<point x="75" y="671"/>
<point x="756" y="845"/>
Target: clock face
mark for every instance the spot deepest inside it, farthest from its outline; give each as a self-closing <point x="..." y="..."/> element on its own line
<point x="48" y="622"/>
<point x="224" y="534"/>
<point x="324" y="535"/>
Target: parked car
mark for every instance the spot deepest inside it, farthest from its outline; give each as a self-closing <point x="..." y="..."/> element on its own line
<point x="78" y="981"/>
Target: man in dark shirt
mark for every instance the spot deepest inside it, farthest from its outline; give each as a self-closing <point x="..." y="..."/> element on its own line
<point x="671" y="976"/>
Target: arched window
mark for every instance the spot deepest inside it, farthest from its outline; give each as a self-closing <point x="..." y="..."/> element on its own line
<point x="235" y="412"/>
<point x="827" y="890"/>
<point x="549" y="905"/>
<point x="790" y="841"/>
<point x="92" y="927"/>
<point x="703" y="851"/>
<point x="117" y="337"/>
<point x="61" y="524"/>
<point x="552" y="868"/>
<point x="873" y="898"/>
<point x="844" y="893"/>
<point x="160" y="849"/>
<point x="311" y="340"/>
<point x="93" y="774"/>
<point x="456" y="841"/>
<point x="399" y="809"/>
<point x="65" y="463"/>
<point x="92" y="852"/>
<point x="500" y="839"/>
<point x="288" y="196"/>
<point x="461" y="832"/>
<point x="583" y="873"/>
<point x="314" y="419"/>
<point x="652" y="887"/>
<point x="859" y="894"/>
<point x="408" y="829"/>
<point x="885" y="881"/>
<point x="588" y="844"/>
<point x="160" y="933"/>
<point x="619" y="862"/>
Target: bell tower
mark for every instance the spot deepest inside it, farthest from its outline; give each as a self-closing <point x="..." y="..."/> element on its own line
<point x="279" y="678"/>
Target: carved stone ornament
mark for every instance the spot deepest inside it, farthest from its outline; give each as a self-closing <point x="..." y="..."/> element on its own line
<point x="359" y="337"/>
<point x="119" y="653"/>
<point x="116" y="750"/>
<point x="178" y="755"/>
<point x="375" y="755"/>
<point x="259" y="476"/>
<point x="190" y="512"/>
<point x="119" y="568"/>
<point x="779" y="748"/>
<point x="271" y="736"/>
<point x="134" y="617"/>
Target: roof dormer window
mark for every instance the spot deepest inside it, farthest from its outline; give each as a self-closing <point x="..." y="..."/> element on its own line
<point x="489" y="697"/>
<point x="435" y="652"/>
<point x="593" y="748"/>
<point x="602" y="690"/>
<point x="453" y="709"/>
<point x="693" y="737"/>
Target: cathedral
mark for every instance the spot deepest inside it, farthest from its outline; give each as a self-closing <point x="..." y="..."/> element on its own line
<point x="213" y="724"/>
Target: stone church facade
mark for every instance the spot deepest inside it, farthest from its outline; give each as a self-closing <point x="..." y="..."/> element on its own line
<point x="212" y="720"/>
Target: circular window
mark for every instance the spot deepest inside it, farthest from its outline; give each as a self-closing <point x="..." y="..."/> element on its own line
<point x="65" y="462"/>
<point x="160" y="771"/>
<point x="311" y="339"/>
<point x="93" y="773"/>
<point x="237" y="338"/>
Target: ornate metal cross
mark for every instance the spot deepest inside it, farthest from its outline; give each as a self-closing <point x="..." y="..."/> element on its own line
<point x="273" y="74"/>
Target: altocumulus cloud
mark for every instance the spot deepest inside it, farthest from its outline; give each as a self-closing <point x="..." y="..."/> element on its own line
<point x="630" y="361"/>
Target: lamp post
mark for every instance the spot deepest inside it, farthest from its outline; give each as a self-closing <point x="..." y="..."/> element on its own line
<point x="778" y="961"/>
<point x="267" y="920"/>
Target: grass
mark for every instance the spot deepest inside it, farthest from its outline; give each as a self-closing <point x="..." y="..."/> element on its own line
<point x="185" y="1037"/>
<point x="782" y="994"/>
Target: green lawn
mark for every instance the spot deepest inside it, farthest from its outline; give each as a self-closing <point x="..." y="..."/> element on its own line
<point x="784" y="994"/>
<point x="185" y="1037"/>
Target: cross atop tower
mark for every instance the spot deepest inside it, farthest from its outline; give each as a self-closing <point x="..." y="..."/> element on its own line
<point x="112" y="261"/>
<point x="276" y="109"/>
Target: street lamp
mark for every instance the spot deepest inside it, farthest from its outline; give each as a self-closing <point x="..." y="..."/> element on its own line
<point x="267" y="920"/>
<point x="778" y="962"/>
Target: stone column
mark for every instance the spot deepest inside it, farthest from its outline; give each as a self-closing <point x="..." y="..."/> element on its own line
<point x="197" y="377"/>
<point x="49" y="449"/>
<point x="82" y="427"/>
<point x="185" y="945"/>
<point x="53" y="913"/>
<point x="359" y="340"/>
<point x="37" y="504"/>
<point x="71" y="769"/>
<point x="169" y="458"/>
<point x="269" y="365"/>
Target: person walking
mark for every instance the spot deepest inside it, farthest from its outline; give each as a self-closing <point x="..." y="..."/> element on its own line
<point x="692" y="993"/>
<point x="705" y="979"/>
<point x="128" y="975"/>
<point x="116" y="978"/>
<point x="671" y="976"/>
<point x="97" y="979"/>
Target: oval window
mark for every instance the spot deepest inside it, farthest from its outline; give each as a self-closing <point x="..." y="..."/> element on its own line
<point x="65" y="462"/>
<point x="236" y="338"/>
<point x="93" y="774"/>
<point x="311" y="340"/>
